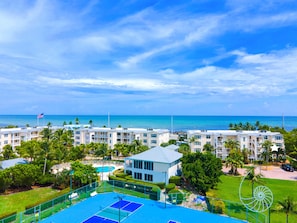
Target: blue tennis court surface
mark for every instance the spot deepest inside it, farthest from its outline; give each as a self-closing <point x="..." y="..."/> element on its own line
<point x="116" y="212"/>
<point x="113" y="207"/>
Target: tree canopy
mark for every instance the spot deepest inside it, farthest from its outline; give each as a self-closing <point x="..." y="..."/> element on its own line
<point x="202" y="171"/>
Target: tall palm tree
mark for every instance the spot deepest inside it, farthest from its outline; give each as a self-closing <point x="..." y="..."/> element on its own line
<point x="288" y="206"/>
<point x="266" y="145"/>
<point x="45" y="144"/>
<point x="254" y="177"/>
<point x="231" y="144"/>
<point x="235" y="157"/>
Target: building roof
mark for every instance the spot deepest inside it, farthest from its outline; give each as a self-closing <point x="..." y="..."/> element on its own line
<point x="12" y="162"/>
<point x="158" y="154"/>
<point x="172" y="147"/>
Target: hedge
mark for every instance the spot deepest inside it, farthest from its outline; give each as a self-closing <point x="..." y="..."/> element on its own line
<point x="176" y="180"/>
<point x="169" y="187"/>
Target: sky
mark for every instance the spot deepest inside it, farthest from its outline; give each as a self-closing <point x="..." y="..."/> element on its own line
<point x="148" y="57"/>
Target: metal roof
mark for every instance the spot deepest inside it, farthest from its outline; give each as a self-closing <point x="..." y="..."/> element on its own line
<point x="157" y="154"/>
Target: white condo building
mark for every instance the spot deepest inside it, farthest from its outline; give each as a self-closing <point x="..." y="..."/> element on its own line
<point x="112" y="136"/>
<point x="250" y="140"/>
<point x="14" y="136"/>
<point x="85" y="134"/>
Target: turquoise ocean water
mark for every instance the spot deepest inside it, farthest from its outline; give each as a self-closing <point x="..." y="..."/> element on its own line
<point x="174" y="123"/>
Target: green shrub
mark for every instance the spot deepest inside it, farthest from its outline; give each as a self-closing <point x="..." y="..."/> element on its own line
<point x="170" y="187"/>
<point x="155" y="194"/>
<point x="175" y="196"/>
<point x="46" y="180"/>
<point x="176" y="180"/>
<point x="219" y="207"/>
<point x="121" y="175"/>
<point x="129" y="177"/>
<point x="161" y="185"/>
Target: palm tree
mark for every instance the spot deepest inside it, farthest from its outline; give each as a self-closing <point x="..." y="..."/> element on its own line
<point x="91" y="123"/>
<point x="208" y="148"/>
<point x="287" y="205"/>
<point x="231" y="144"/>
<point x="254" y="178"/>
<point x="45" y="144"/>
<point x="8" y="152"/>
<point x="235" y="161"/>
<point x="76" y="121"/>
<point x="267" y="150"/>
<point x="235" y="158"/>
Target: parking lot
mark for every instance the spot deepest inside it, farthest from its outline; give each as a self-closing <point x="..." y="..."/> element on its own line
<point x="274" y="172"/>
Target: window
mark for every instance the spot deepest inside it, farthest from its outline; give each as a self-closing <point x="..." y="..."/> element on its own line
<point x="148" y="177"/>
<point x="243" y="139"/>
<point x="197" y="143"/>
<point x="148" y="165"/>
<point x="153" y="141"/>
<point x="138" y="176"/>
<point x="5" y="142"/>
<point x="138" y="164"/>
<point x="144" y="141"/>
<point x="144" y="134"/>
<point x="278" y="137"/>
<point x="154" y="135"/>
<point x="77" y="132"/>
<point x="265" y="137"/>
<point x="197" y="136"/>
<point x="208" y="136"/>
<point x="5" y="135"/>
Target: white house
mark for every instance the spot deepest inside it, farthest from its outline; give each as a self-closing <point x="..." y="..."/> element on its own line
<point x="154" y="165"/>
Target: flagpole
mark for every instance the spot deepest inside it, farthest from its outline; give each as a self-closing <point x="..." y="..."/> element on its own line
<point x="108" y="121"/>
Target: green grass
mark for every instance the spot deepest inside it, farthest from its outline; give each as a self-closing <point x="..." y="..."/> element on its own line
<point x="229" y="190"/>
<point x="18" y="201"/>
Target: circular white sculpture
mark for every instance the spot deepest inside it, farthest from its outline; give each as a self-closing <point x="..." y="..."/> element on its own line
<point x="259" y="201"/>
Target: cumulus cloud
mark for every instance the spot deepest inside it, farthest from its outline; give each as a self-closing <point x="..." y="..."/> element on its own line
<point x="147" y="53"/>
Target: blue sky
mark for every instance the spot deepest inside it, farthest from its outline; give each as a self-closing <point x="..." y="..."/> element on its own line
<point x="199" y="57"/>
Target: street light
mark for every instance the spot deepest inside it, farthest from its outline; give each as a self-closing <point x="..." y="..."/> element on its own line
<point x="120" y="199"/>
<point x="165" y="188"/>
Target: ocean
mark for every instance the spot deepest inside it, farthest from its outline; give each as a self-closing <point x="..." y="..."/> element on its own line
<point x="173" y="123"/>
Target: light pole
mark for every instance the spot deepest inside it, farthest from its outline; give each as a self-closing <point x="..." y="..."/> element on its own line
<point x="120" y="199"/>
<point x="165" y="188"/>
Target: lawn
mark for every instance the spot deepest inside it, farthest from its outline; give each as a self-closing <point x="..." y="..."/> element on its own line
<point x="18" y="201"/>
<point x="229" y="190"/>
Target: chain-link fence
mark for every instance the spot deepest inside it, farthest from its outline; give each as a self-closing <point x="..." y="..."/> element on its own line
<point x="213" y="205"/>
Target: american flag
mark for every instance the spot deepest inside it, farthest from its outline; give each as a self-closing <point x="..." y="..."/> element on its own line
<point x="40" y="115"/>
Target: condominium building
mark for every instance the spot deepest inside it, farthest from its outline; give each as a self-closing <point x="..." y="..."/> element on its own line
<point x="250" y="140"/>
<point x="14" y="136"/>
<point x="85" y="134"/>
<point x="112" y="136"/>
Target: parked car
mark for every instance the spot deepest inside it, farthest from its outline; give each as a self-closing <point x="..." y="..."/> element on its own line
<point x="287" y="167"/>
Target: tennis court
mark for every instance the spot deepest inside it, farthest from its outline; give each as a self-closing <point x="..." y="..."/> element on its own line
<point x="114" y="207"/>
